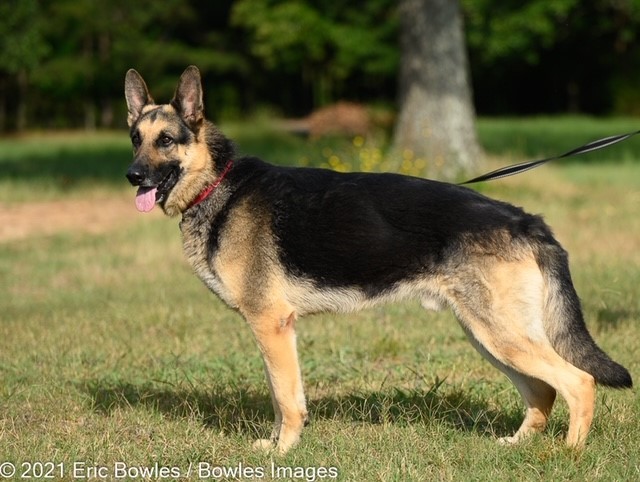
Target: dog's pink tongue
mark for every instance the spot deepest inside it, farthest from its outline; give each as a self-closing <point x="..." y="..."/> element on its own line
<point x="146" y="199"/>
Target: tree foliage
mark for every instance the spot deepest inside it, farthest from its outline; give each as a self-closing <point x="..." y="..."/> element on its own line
<point x="22" y="47"/>
<point x="564" y="55"/>
<point x="327" y="44"/>
<point x="62" y="62"/>
<point x="22" y="44"/>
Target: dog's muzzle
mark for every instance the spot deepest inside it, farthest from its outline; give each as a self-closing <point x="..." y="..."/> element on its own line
<point x="154" y="182"/>
<point x="137" y="174"/>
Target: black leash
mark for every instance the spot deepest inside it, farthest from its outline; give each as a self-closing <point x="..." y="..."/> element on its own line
<point x="525" y="166"/>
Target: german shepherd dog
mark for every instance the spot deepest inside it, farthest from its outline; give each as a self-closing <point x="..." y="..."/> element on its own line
<point x="276" y="243"/>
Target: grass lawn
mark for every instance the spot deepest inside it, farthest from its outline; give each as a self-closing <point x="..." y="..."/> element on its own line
<point x="113" y="356"/>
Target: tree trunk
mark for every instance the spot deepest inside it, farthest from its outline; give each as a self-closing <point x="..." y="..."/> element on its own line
<point x="435" y="132"/>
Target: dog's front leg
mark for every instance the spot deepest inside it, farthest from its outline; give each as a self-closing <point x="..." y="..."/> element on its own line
<point x="277" y="424"/>
<point x="275" y="334"/>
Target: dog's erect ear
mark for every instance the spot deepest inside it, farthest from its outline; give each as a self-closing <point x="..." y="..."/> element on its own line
<point x="188" y="98"/>
<point x="137" y="95"/>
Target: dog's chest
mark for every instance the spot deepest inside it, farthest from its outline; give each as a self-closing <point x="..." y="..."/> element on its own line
<point x="195" y="243"/>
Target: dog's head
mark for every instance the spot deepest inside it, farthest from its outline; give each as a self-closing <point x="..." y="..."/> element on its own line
<point x="173" y="154"/>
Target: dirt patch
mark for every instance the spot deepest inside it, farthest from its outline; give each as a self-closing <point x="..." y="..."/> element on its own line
<point x="340" y="119"/>
<point x="93" y="215"/>
<point x="343" y="118"/>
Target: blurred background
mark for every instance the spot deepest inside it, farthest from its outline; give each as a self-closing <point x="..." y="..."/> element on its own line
<point x="62" y="62"/>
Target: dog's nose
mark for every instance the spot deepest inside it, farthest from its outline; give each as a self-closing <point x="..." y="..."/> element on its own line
<point x="136" y="175"/>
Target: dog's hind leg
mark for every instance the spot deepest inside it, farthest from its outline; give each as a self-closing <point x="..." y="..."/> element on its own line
<point x="275" y="333"/>
<point x="538" y="397"/>
<point x="502" y="311"/>
<point x="545" y="372"/>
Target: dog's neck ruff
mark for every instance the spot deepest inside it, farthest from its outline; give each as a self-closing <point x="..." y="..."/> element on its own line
<point x="204" y="194"/>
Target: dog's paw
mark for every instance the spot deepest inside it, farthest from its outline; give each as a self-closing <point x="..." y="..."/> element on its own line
<point x="270" y="445"/>
<point x="508" y="440"/>
<point x="264" y="444"/>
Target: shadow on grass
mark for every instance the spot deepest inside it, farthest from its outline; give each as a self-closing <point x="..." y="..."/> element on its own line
<point x="229" y="409"/>
<point x="244" y="410"/>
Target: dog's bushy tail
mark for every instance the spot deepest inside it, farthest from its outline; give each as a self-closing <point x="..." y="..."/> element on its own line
<point x="565" y="326"/>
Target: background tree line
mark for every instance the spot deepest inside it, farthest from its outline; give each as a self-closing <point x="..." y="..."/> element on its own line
<point x="62" y="62"/>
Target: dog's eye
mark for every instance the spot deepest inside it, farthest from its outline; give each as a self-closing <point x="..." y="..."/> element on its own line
<point x="166" y="140"/>
<point x="135" y="140"/>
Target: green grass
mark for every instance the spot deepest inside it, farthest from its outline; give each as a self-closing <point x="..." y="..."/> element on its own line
<point x="534" y="137"/>
<point x="112" y="351"/>
<point x="42" y="167"/>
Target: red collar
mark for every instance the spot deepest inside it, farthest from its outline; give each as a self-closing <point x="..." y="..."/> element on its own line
<point x="204" y="194"/>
